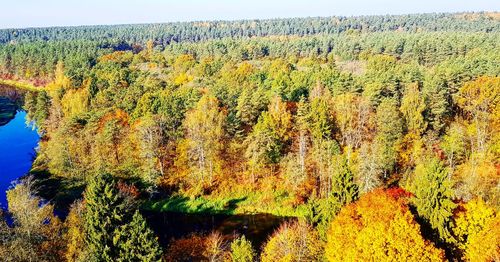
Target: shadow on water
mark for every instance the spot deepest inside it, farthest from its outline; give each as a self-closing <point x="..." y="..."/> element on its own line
<point x="173" y="225"/>
<point x="58" y="191"/>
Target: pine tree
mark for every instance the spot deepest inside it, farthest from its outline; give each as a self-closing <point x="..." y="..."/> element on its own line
<point x="105" y="212"/>
<point x="136" y="242"/>
<point x="433" y="194"/>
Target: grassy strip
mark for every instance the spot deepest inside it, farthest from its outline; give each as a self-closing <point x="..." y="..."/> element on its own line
<point x="253" y="203"/>
<point x="20" y="85"/>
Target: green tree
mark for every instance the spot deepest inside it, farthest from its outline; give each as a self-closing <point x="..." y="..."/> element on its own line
<point x="242" y="250"/>
<point x="269" y="136"/>
<point x="413" y="108"/>
<point x="437" y="95"/>
<point x="389" y="131"/>
<point x="136" y="242"/>
<point x="42" y="107"/>
<point x="344" y="189"/>
<point x="105" y="212"/>
<point x="433" y="195"/>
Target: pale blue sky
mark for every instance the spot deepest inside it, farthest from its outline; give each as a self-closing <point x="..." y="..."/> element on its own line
<point x="35" y="13"/>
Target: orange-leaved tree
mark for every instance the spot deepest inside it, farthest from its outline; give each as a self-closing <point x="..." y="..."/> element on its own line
<point x="378" y="227"/>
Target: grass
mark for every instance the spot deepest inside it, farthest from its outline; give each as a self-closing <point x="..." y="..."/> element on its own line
<point x="251" y="203"/>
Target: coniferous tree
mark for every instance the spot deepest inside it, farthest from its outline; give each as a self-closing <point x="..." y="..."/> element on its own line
<point x="344" y="189"/>
<point x="105" y="212"/>
<point x="136" y="242"/>
<point x="389" y="130"/>
<point x="433" y="194"/>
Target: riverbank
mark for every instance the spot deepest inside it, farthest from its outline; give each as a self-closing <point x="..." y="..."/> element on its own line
<point x="19" y="84"/>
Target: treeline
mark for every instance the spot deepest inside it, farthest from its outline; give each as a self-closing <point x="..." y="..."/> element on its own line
<point x="168" y="33"/>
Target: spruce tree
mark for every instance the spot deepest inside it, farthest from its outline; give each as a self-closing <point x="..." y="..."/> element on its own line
<point x="105" y="211"/>
<point x="344" y="189"/>
<point x="136" y="242"/>
<point x="433" y="194"/>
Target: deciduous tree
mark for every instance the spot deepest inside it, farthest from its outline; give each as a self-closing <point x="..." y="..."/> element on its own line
<point x="378" y="227"/>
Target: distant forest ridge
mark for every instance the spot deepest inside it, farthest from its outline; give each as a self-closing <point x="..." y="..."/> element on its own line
<point x="166" y="33"/>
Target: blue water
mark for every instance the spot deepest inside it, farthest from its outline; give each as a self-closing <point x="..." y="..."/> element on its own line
<point x="17" y="150"/>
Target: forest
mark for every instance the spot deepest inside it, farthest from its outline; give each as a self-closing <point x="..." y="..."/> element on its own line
<point x="375" y="138"/>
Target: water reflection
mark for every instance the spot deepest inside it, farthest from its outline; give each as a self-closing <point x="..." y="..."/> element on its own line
<point x="170" y="225"/>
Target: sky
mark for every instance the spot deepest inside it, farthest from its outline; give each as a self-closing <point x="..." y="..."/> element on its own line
<point x="42" y="13"/>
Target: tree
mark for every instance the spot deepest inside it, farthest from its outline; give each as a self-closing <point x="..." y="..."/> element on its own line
<point x="75" y="234"/>
<point x="483" y="246"/>
<point x="295" y="241"/>
<point x="413" y="108"/>
<point x="105" y="212"/>
<point x="151" y="138"/>
<point x="320" y="213"/>
<point x="378" y="227"/>
<point x="111" y="232"/>
<point x="480" y="101"/>
<point x="41" y="112"/>
<point x="136" y="242"/>
<point x="315" y="124"/>
<point x="476" y="230"/>
<point x="454" y="144"/>
<point x="242" y="250"/>
<point x="204" y="127"/>
<point x="370" y="171"/>
<point x="250" y="104"/>
<point x="215" y="247"/>
<point x="437" y="95"/>
<point x="269" y="136"/>
<point x="351" y="114"/>
<point x="35" y="233"/>
<point x="433" y="195"/>
<point x="344" y="189"/>
<point x="389" y="130"/>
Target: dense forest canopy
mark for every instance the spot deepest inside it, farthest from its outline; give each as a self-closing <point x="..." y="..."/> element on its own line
<point x="373" y="132"/>
<point x="168" y="33"/>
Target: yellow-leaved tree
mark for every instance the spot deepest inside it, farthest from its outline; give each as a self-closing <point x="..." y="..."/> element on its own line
<point x="201" y="148"/>
<point x="477" y="231"/>
<point x="295" y="241"/>
<point x="378" y="227"/>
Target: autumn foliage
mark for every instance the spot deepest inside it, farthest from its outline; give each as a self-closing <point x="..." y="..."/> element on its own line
<point x="379" y="227"/>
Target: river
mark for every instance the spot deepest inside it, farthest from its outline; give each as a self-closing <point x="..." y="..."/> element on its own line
<point x="17" y="146"/>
